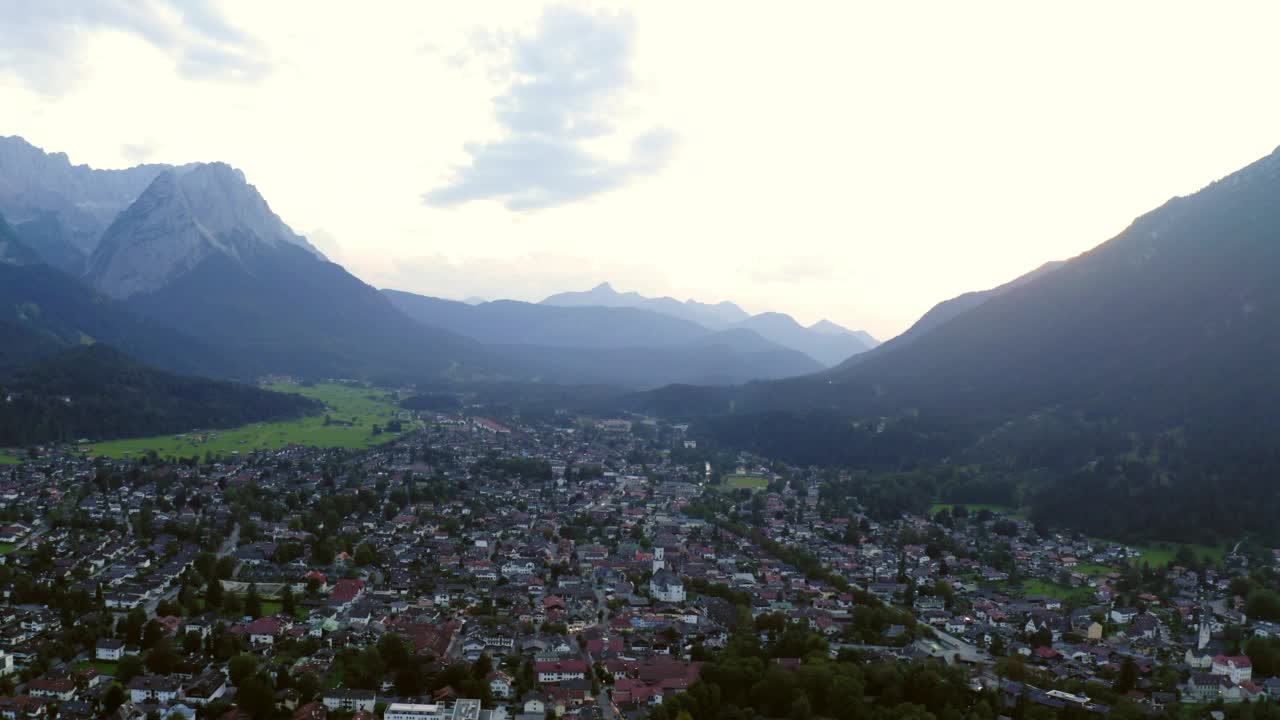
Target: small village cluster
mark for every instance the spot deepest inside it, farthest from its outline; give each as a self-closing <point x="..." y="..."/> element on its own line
<point x="486" y="571"/>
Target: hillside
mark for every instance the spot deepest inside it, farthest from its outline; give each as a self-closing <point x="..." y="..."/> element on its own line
<point x="1129" y="381"/>
<point x="43" y="311"/>
<point x="97" y="392"/>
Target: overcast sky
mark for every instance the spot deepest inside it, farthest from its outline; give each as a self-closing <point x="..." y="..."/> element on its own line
<point x="856" y="161"/>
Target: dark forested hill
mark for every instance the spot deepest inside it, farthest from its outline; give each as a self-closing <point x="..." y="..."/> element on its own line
<point x="97" y="392"/>
<point x="1133" y="382"/>
<point x="43" y="311"/>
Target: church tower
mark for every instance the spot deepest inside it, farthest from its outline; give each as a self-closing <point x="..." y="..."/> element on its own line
<point x="1205" y="632"/>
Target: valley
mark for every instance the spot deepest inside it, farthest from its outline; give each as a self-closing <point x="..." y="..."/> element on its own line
<point x="639" y="361"/>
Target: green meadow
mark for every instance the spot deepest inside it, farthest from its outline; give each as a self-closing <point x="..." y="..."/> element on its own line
<point x="750" y="482"/>
<point x="974" y="508"/>
<point x="352" y="413"/>
<point x="7" y="458"/>
<point x="1054" y="590"/>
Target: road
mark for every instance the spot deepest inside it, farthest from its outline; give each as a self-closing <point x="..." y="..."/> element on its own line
<point x="956" y="649"/>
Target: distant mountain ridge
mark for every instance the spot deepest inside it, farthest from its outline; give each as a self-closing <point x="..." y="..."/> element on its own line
<point x="642" y="347"/>
<point x="718" y="316"/>
<point x="824" y="341"/>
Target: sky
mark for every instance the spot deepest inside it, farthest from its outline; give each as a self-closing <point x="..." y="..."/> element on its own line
<point x="844" y="160"/>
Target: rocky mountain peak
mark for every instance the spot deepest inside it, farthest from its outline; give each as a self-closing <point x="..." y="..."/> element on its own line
<point x="186" y="215"/>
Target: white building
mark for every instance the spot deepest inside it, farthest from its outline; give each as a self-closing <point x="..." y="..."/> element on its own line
<point x="464" y="709"/>
<point x="153" y="689"/>
<point x="109" y="650"/>
<point x="1239" y="669"/>
<point x="665" y="586"/>
<point x="351" y="701"/>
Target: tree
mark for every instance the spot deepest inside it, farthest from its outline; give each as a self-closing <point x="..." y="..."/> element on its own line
<point x="163" y="659"/>
<point x="287" y="602"/>
<point x="1128" y="676"/>
<point x="191" y="643"/>
<point x="366" y="555"/>
<point x="133" y="623"/>
<point x="322" y="552"/>
<point x="130" y="667"/>
<point x="232" y="605"/>
<point x="113" y="698"/>
<point x="241" y="667"/>
<point x="801" y="709"/>
<point x="152" y="633"/>
<point x="256" y="696"/>
<point x="213" y="594"/>
<point x="252" y="603"/>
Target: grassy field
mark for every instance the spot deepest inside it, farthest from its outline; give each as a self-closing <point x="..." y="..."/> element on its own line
<point x="1054" y="590"/>
<point x="7" y="457"/>
<point x="973" y="508"/>
<point x="360" y="407"/>
<point x="105" y="667"/>
<point x="751" y="482"/>
<point x="1161" y="554"/>
<point x="6" y="548"/>
<point x="1095" y="571"/>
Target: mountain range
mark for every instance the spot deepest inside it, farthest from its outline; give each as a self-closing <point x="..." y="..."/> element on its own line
<point x="188" y="268"/>
<point x="1132" y="386"/>
<point x="824" y="341"/>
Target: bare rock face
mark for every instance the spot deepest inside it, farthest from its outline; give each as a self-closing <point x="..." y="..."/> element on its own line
<point x="36" y="185"/>
<point x="186" y="215"/>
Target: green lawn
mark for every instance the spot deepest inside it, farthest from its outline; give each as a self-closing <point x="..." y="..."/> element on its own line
<point x="1091" y="570"/>
<point x="751" y="482"/>
<point x="1160" y="554"/>
<point x="105" y="667"/>
<point x="7" y="457"/>
<point x="6" y="548"/>
<point x="974" y="508"/>
<point x="1054" y="590"/>
<point x="362" y="408"/>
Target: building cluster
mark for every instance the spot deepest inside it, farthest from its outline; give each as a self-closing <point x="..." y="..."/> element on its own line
<point x="584" y="569"/>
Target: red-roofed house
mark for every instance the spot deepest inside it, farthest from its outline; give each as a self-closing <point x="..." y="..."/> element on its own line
<point x="347" y="591"/>
<point x="1238" y="668"/>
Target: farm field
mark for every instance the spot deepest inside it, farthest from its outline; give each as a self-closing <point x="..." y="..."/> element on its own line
<point x="352" y="413"/>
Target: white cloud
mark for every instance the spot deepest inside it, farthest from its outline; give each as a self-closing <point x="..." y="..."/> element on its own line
<point x="563" y="92"/>
<point x="43" y="42"/>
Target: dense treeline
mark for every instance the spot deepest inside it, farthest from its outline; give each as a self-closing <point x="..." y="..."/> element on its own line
<point x="96" y="392"/>
<point x="746" y="681"/>
<point x="1206" y="481"/>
